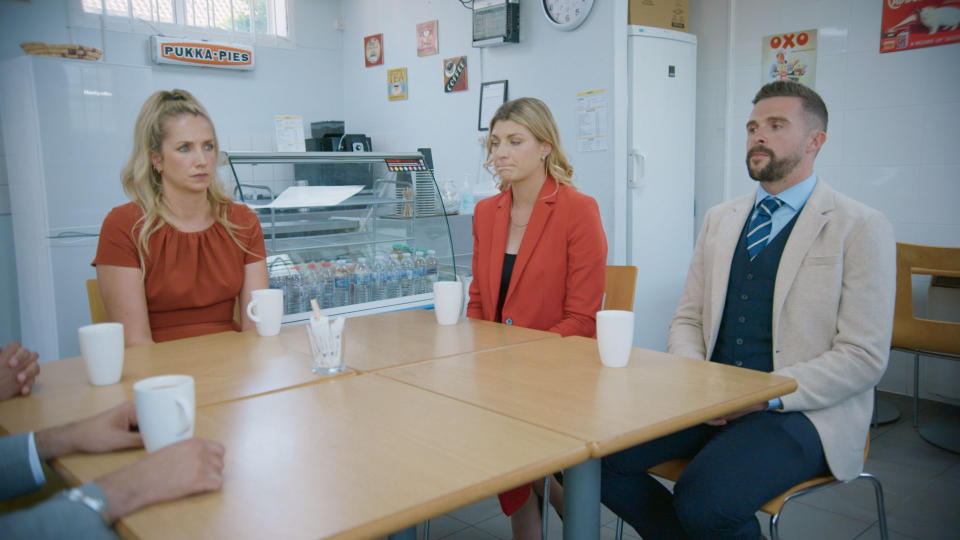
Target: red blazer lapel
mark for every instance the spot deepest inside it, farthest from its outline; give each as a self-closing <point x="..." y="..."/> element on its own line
<point x="542" y="210"/>
<point x="498" y="244"/>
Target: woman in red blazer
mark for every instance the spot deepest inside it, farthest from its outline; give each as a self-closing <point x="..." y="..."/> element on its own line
<point x="539" y="251"/>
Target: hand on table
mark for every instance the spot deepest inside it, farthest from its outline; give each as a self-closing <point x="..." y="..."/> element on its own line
<point x="18" y="370"/>
<point x="181" y="469"/>
<point x="723" y="420"/>
<point x="110" y="430"/>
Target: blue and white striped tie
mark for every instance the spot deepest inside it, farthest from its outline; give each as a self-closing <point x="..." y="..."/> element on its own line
<point x="759" y="233"/>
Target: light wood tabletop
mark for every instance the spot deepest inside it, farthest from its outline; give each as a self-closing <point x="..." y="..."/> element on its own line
<point x="225" y="366"/>
<point x="386" y="340"/>
<point x="561" y="385"/>
<point x="356" y="457"/>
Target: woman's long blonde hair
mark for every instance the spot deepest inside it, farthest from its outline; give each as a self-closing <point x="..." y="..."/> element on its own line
<point x="141" y="182"/>
<point x="534" y="115"/>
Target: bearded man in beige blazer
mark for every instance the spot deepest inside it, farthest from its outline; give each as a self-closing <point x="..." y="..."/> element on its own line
<point x="796" y="279"/>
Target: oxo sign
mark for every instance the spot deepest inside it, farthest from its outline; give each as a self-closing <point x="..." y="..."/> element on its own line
<point x="789" y="41"/>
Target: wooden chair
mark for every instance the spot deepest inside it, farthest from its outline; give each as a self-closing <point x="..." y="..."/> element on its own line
<point x="98" y="312"/>
<point x="671" y="470"/>
<point x="926" y="337"/>
<point x="620" y="287"/>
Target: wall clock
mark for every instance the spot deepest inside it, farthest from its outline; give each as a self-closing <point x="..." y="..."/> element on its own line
<point x="566" y="14"/>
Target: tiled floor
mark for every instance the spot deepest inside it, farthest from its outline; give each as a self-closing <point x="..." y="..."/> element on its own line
<point x="921" y="484"/>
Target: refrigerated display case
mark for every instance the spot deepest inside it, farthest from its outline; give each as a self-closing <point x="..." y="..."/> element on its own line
<point x="360" y="232"/>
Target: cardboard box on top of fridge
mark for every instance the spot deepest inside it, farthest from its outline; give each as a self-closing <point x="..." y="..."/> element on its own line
<point x="669" y="14"/>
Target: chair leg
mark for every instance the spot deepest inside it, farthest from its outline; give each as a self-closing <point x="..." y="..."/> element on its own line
<point x="881" y="507"/>
<point x="544" y="513"/>
<point x="916" y="390"/>
<point x="619" y="535"/>
<point x="775" y="526"/>
<point x="426" y="530"/>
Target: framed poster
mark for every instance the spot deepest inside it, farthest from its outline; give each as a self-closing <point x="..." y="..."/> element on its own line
<point x="790" y="56"/>
<point x="455" y="74"/>
<point x="397" y="84"/>
<point x="428" y="42"/>
<point x="493" y="94"/>
<point x="918" y="23"/>
<point x="373" y="50"/>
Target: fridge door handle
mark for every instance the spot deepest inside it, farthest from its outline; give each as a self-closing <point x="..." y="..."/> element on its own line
<point x="636" y="164"/>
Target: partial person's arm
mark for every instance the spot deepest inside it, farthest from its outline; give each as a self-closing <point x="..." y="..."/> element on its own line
<point x="864" y="323"/>
<point x="125" y="299"/>
<point x="686" y="329"/>
<point x="182" y="469"/>
<point x="18" y="370"/>
<point x="474" y="305"/>
<point x="254" y="277"/>
<point x="586" y="270"/>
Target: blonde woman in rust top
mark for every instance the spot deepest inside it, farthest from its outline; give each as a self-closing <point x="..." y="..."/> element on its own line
<point x="172" y="263"/>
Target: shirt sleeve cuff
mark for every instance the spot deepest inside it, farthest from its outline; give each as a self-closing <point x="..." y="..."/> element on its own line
<point x="35" y="467"/>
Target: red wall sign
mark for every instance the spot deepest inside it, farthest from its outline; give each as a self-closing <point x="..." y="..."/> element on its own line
<point x="911" y="24"/>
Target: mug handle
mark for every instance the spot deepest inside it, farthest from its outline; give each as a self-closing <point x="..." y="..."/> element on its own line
<point x="188" y="415"/>
<point x="250" y="314"/>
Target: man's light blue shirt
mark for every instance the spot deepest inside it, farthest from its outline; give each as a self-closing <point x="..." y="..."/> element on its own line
<point x="793" y="199"/>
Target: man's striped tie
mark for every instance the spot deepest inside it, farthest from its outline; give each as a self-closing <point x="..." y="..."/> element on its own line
<point x="759" y="233"/>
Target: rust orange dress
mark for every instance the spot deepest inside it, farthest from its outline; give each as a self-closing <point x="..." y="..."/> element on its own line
<point x="192" y="278"/>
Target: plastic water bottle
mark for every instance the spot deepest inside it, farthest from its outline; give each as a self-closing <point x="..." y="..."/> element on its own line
<point x="391" y="287"/>
<point x="420" y="273"/>
<point x="378" y="279"/>
<point x="361" y="282"/>
<point x="325" y="280"/>
<point x="433" y="269"/>
<point x="407" y="275"/>
<point x="310" y="287"/>
<point x="341" y="284"/>
<point x="293" y="292"/>
<point x="466" y="197"/>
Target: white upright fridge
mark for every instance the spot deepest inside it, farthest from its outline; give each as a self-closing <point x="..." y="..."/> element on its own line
<point x="67" y="132"/>
<point x="660" y="191"/>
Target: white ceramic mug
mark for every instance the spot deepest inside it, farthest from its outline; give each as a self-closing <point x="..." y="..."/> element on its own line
<point x="102" y="348"/>
<point x="615" y="337"/>
<point x="166" y="409"/>
<point x="447" y="301"/>
<point x="266" y="309"/>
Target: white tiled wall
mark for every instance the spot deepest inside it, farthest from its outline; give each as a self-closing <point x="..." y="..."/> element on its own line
<point x="894" y="134"/>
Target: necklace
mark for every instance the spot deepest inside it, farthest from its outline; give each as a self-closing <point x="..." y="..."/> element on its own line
<point x="513" y="222"/>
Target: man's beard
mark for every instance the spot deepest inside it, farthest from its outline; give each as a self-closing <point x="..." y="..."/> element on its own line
<point x="775" y="169"/>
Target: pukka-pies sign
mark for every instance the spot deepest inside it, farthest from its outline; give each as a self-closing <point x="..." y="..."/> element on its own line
<point x="186" y="52"/>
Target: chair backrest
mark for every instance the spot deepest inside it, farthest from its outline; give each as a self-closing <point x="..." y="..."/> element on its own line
<point x="909" y="331"/>
<point x="98" y="313"/>
<point x="620" y="287"/>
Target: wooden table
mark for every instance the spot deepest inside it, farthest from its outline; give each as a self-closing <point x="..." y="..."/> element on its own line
<point x="561" y="385"/>
<point x="225" y="366"/>
<point x="394" y="339"/>
<point x="357" y="457"/>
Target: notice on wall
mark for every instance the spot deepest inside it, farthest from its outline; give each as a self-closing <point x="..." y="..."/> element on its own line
<point x="911" y="24"/>
<point x="397" y="84"/>
<point x="791" y="56"/>
<point x="289" y="130"/>
<point x="592" y="130"/>
<point x="455" y="74"/>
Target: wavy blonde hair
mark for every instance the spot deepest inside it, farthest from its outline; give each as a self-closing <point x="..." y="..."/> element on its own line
<point x="142" y="183"/>
<point x="534" y="115"/>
